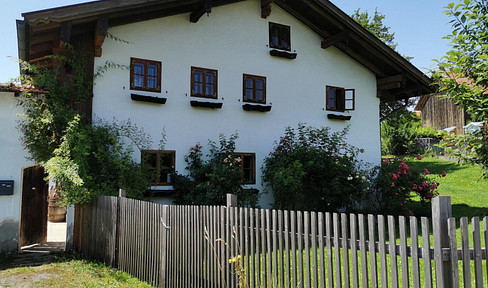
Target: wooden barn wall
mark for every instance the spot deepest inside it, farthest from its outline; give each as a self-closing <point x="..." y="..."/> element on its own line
<point x="441" y="113"/>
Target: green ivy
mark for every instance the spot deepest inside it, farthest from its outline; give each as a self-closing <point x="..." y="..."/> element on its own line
<point x="85" y="160"/>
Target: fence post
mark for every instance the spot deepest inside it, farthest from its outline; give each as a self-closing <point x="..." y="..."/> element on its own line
<point x="122" y="193"/>
<point x="115" y="263"/>
<point x="231" y="200"/>
<point x="441" y="212"/>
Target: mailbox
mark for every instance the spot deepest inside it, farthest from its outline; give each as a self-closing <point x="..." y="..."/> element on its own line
<point x="6" y="187"/>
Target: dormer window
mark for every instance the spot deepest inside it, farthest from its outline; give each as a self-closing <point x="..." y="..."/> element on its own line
<point x="279" y="36"/>
<point x="145" y="75"/>
<point x="339" y="99"/>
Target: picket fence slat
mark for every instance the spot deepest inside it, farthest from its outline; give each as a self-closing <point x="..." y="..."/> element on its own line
<point x="337" y="251"/>
<point x="306" y="250"/>
<point x="392" y="250"/>
<point x="465" y="252"/>
<point x="190" y="246"/>
<point x="415" y="252"/>
<point x="426" y="253"/>
<point x="454" y="255"/>
<point x="363" y="249"/>
<point x="382" y="250"/>
<point x="354" y="251"/>
<point x="372" y="250"/>
<point x="478" y="268"/>
<point x="328" y="243"/>
<point x="345" y="249"/>
<point x="287" y="249"/>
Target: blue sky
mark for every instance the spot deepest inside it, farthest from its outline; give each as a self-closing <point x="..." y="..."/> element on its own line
<point x="419" y="27"/>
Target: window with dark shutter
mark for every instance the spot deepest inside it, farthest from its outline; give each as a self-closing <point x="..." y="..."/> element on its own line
<point x="339" y="99"/>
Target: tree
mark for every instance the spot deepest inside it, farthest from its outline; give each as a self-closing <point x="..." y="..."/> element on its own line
<point x="468" y="58"/>
<point x="374" y="24"/>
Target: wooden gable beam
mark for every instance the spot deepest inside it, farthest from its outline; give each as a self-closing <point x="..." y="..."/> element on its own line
<point x="197" y="14"/>
<point x="100" y="34"/>
<point x="266" y="8"/>
<point x="333" y="40"/>
<point x="65" y="36"/>
<point x="392" y="82"/>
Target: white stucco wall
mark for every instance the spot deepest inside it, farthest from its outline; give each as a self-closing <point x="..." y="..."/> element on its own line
<point x="233" y="40"/>
<point x="12" y="160"/>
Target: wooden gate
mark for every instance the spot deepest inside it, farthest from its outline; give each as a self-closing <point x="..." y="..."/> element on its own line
<point x="33" y="221"/>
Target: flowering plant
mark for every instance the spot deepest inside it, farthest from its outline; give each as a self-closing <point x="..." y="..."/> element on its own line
<point x="211" y="178"/>
<point x="396" y="184"/>
<point x="314" y="169"/>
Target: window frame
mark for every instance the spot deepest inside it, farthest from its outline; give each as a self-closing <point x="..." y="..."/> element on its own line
<point x="287" y="37"/>
<point x="204" y="83"/>
<point x="158" y="164"/>
<point x="244" y="87"/>
<point x="146" y="63"/>
<point x="341" y="100"/>
<point x="241" y="155"/>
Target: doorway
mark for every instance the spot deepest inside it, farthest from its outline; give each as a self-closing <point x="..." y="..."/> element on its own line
<point x="35" y="229"/>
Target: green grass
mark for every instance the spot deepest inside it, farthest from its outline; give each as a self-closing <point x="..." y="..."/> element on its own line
<point x="464" y="183"/>
<point x="68" y="272"/>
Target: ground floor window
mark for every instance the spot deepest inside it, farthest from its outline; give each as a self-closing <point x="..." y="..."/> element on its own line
<point x="248" y="167"/>
<point x="161" y="163"/>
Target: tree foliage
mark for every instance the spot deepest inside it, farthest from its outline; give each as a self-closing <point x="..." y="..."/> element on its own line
<point x="314" y="169"/>
<point x="468" y="59"/>
<point x="374" y="24"/>
<point x="211" y="178"/>
<point x="84" y="160"/>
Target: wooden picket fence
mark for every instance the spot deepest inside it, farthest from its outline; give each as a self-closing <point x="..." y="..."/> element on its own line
<point x="199" y="246"/>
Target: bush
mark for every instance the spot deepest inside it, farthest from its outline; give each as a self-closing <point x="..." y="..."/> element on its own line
<point x="92" y="160"/>
<point x="400" y="132"/>
<point x="396" y="183"/>
<point x="314" y="169"/>
<point x="209" y="180"/>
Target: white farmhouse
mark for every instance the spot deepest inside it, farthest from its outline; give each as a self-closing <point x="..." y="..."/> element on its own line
<point x="198" y="68"/>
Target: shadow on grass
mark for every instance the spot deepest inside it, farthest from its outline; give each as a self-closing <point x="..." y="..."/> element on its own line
<point x="435" y="167"/>
<point x="463" y="210"/>
<point x="35" y="255"/>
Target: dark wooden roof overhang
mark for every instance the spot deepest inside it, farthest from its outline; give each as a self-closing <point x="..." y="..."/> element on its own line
<point x="397" y="78"/>
<point x="43" y="32"/>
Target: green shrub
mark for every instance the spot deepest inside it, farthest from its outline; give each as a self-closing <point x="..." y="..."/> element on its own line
<point x="93" y="160"/>
<point x="314" y="169"/>
<point x="209" y="180"/>
<point x="399" y="134"/>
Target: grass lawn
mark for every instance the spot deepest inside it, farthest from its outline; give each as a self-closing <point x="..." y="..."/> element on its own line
<point x="468" y="191"/>
<point x="68" y="272"/>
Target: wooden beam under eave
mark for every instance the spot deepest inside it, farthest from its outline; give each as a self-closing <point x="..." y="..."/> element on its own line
<point x="197" y="14"/>
<point x="340" y="37"/>
<point x="266" y="8"/>
<point x="100" y="34"/>
<point x="400" y="78"/>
